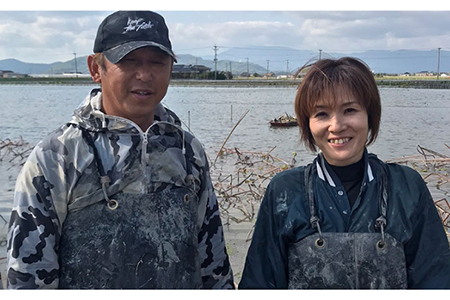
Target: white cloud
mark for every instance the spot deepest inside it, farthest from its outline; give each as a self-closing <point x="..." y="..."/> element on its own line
<point x="202" y="38"/>
<point x="48" y="36"/>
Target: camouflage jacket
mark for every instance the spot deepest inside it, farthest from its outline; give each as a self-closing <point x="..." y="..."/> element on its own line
<point x="61" y="178"/>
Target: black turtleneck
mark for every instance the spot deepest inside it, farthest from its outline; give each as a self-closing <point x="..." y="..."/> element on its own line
<point x="351" y="177"/>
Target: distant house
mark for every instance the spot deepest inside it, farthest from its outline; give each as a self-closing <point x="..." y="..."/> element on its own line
<point x="424" y="73"/>
<point x="271" y="74"/>
<point x="71" y="74"/>
<point x="3" y="72"/>
<point x="286" y="76"/>
<point x="11" y="74"/>
<point x="189" y="71"/>
<point x="302" y="74"/>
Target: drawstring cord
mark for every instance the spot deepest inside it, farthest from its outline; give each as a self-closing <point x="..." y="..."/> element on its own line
<point x="104" y="179"/>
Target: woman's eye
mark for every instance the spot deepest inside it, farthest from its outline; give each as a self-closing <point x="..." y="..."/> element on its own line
<point x="320" y="114"/>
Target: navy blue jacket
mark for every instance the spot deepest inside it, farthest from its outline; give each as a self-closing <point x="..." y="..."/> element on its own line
<point x="412" y="219"/>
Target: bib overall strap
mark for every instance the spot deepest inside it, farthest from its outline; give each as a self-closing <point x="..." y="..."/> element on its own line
<point x="314" y="220"/>
<point x="380" y="222"/>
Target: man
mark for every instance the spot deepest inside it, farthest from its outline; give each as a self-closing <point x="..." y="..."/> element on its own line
<point x="121" y="196"/>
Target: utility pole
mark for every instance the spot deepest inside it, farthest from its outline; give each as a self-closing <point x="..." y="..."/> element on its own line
<point x="231" y="70"/>
<point x="439" y="58"/>
<point x="267" y="74"/>
<point x="320" y="54"/>
<point x="226" y="70"/>
<point x="248" y="69"/>
<point x="76" y="67"/>
<point x="215" y="62"/>
<point x="287" y="67"/>
<point x="196" y="64"/>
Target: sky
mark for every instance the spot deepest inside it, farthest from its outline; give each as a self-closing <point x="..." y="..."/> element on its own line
<point x="45" y="32"/>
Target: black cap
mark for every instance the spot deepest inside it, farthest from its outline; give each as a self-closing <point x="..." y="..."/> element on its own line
<point x="125" y="31"/>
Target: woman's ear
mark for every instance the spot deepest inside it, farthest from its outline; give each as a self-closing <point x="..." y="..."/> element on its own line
<point x="94" y="69"/>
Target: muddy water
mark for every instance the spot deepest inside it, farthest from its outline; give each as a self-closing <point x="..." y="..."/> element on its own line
<point x="410" y="117"/>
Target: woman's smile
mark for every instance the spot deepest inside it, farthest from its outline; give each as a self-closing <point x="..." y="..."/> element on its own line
<point x="340" y="129"/>
<point x="339" y="141"/>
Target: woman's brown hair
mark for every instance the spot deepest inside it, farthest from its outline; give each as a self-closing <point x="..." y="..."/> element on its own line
<point x="326" y="80"/>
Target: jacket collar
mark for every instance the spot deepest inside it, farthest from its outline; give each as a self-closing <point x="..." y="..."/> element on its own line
<point x="89" y="115"/>
<point x="326" y="174"/>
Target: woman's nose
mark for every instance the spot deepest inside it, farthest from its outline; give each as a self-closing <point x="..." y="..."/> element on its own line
<point x="337" y="124"/>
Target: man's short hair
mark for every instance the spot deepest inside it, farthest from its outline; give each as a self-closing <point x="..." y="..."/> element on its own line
<point x="100" y="60"/>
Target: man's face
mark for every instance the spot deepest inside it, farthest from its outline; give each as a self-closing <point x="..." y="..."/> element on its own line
<point x="134" y="86"/>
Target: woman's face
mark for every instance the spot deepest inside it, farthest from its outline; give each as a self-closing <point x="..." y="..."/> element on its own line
<point x="340" y="129"/>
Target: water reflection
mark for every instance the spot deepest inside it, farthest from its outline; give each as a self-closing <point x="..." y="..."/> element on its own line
<point x="410" y="117"/>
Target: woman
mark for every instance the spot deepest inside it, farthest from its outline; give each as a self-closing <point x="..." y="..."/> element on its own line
<point x="347" y="220"/>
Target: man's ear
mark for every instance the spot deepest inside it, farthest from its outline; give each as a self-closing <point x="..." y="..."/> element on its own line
<point x="94" y="69"/>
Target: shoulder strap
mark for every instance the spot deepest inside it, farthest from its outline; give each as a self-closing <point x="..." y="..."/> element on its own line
<point x="380" y="222"/>
<point x="309" y="190"/>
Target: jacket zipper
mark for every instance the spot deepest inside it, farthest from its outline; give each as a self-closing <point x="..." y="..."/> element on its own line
<point x="144" y="154"/>
<point x="144" y="161"/>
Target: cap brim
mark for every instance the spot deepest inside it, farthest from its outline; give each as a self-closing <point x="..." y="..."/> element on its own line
<point x="115" y="54"/>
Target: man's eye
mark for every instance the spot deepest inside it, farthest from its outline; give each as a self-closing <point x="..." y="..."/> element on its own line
<point x="128" y="60"/>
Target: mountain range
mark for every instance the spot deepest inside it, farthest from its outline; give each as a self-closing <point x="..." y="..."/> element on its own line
<point x="279" y="60"/>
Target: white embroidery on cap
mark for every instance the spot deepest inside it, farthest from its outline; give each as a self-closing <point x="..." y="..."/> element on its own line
<point x="136" y="25"/>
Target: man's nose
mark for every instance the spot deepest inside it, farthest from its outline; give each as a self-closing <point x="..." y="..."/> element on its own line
<point x="144" y="72"/>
